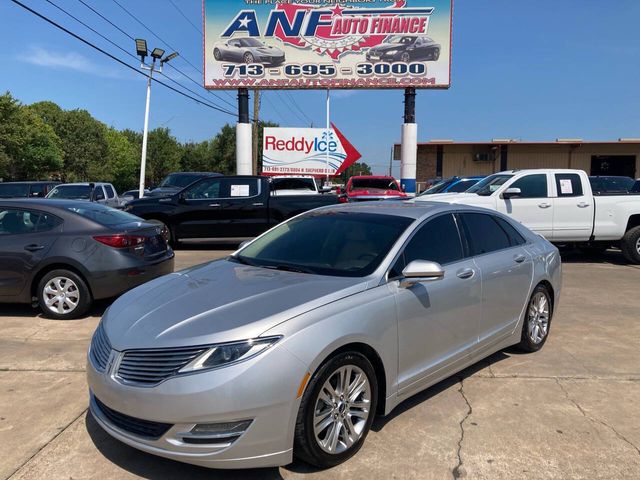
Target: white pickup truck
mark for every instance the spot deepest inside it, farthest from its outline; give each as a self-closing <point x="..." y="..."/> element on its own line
<point x="559" y="205"/>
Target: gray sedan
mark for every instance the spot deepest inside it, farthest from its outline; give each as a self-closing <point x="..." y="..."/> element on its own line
<point x="290" y="346"/>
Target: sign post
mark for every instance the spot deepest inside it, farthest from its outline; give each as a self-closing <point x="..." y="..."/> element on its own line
<point x="243" y="135"/>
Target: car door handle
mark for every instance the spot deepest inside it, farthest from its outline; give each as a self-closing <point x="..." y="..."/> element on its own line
<point x="544" y="205"/>
<point x="465" y="273"/>
<point x="33" y="247"/>
<point x="583" y="205"/>
<point x="519" y="258"/>
<point x="258" y="204"/>
<point x="214" y="204"/>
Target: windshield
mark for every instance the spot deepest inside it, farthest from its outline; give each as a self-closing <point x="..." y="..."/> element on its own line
<point x="251" y="42"/>
<point x="293" y="184"/>
<point x="438" y="187"/>
<point x="179" y="180"/>
<point x="81" y="192"/>
<point x="103" y="215"/>
<point x="379" y="183"/>
<point x="489" y="185"/>
<point x="343" y="244"/>
<point x="12" y="190"/>
<point x="401" y="40"/>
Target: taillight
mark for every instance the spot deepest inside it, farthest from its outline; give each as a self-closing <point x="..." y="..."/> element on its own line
<point x="120" y="241"/>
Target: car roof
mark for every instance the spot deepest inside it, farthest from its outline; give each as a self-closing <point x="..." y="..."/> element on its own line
<point x="82" y="184"/>
<point x="28" y="182"/>
<point x="406" y="208"/>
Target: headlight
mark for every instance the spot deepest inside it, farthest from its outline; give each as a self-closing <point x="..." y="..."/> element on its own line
<point x="225" y="354"/>
<point x="391" y="52"/>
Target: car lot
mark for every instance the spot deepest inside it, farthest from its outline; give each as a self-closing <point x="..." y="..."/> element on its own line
<point x="569" y="411"/>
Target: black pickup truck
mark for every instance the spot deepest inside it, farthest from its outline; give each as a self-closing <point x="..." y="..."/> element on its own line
<point x="230" y="208"/>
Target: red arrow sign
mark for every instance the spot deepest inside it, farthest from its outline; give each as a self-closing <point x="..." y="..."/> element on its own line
<point x="352" y="154"/>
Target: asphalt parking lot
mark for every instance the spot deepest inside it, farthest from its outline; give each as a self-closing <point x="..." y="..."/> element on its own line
<point x="568" y="411"/>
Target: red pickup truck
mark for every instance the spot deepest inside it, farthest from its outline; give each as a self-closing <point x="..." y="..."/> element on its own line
<point x="366" y="188"/>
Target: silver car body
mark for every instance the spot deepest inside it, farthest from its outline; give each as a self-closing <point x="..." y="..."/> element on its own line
<point x="414" y="337"/>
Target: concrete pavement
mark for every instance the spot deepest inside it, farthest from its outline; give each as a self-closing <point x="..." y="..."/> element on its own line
<point x="568" y="411"/>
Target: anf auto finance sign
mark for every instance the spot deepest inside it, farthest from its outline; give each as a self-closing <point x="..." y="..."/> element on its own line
<point x="303" y="151"/>
<point x="327" y="44"/>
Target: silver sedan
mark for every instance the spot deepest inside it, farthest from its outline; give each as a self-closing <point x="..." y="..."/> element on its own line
<point x="290" y="346"/>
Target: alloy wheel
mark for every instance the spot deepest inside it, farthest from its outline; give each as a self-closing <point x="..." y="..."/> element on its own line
<point x="638" y="246"/>
<point x="538" y="318"/>
<point x="248" y="58"/>
<point x="342" y="409"/>
<point x="61" y="295"/>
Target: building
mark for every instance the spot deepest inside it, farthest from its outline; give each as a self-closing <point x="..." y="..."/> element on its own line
<point x="447" y="158"/>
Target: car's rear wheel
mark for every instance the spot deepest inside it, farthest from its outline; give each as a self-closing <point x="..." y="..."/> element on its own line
<point x="405" y="58"/>
<point x="248" y="58"/>
<point x="63" y="295"/>
<point x="630" y="245"/>
<point x="336" y="410"/>
<point x="537" y="320"/>
<point x="217" y="54"/>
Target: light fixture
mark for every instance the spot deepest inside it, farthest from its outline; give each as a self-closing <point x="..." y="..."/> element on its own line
<point x="157" y="53"/>
<point x="169" y="57"/>
<point x="141" y="47"/>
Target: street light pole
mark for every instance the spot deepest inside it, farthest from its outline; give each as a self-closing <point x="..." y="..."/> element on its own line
<point x="156" y="54"/>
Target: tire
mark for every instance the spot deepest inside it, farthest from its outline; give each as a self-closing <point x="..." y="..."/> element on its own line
<point x="309" y="446"/>
<point x="216" y="54"/>
<point x="531" y="339"/>
<point x="405" y="58"/>
<point x="248" y="58"/>
<point x="435" y="55"/>
<point x="77" y="298"/>
<point x="630" y="245"/>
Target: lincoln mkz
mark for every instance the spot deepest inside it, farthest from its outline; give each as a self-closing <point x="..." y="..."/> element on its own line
<point x="289" y="347"/>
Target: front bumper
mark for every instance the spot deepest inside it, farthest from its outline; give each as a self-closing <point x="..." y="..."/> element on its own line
<point x="262" y="389"/>
<point x="273" y="61"/>
<point x="382" y="57"/>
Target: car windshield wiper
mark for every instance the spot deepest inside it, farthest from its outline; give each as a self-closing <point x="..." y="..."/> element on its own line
<point x="242" y="260"/>
<point x="290" y="268"/>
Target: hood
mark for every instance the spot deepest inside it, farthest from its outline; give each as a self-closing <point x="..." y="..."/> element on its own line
<point x="216" y="302"/>
<point x="385" y="47"/>
<point x="463" y="198"/>
<point x="375" y="191"/>
<point x="162" y="191"/>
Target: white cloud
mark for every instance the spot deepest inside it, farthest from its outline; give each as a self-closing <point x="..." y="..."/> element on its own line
<point x="69" y="61"/>
<point x="343" y="93"/>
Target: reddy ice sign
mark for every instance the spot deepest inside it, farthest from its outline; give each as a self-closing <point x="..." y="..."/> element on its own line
<point x="303" y="151"/>
<point x="327" y="44"/>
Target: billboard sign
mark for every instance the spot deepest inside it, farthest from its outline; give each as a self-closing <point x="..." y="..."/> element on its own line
<point x="303" y="151"/>
<point x="302" y="44"/>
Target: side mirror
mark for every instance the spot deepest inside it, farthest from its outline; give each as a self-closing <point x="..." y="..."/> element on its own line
<point x="511" y="192"/>
<point x="244" y="244"/>
<point x="325" y="189"/>
<point x="420" y="271"/>
<point x="182" y="197"/>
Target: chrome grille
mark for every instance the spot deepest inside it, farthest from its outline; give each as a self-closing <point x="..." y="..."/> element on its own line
<point x="152" y="366"/>
<point x="100" y="349"/>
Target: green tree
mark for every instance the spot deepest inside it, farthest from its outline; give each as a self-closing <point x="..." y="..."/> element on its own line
<point x="197" y="157"/>
<point x="358" y="168"/>
<point x="163" y="155"/>
<point x="122" y="160"/>
<point x="223" y="147"/>
<point x="29" y="148"/>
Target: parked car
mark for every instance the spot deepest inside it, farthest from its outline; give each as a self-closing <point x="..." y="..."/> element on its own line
<point x="65" y="254"/>
<point x="174" y="182"/>
<point x="611" y="185"/>
<point x="295" y="185"/>
<point x="560" y="205"/>
<point x="405" y="48"/>
<point x="364" y="188"/>
<point x="293" y="344"/>
<point x="25" y="189"/>
<point x="98" y="192"/>
<point x="248" y="50"/>
<point x="453" y="185"/>
<point x="133" y="194"/>
<point x="231" y="208"/>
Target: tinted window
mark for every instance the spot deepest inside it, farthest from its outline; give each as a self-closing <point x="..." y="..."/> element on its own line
<point x="38" y="190"/>
<point x="233" y="188"/>
<point x="531" y="186"/>
<point x="346" y="244"/>
<point x="437" y="241"/>
<point x="380" y="183"/>
<point x="110" y="191"/>
<point x="206" y="189"/>
<point x="611" y="185"/>
<point x="484" y="234"/>
<point x="70" y="191"/>
<point x="515" y="238"/>
<point x="26" y="221"/>
<point x="13" y="190"/>
<point x="568" y="185"/>
<point x="103" y="215"/>
<point x="180" y="180"/>
<point x="438" y="187"/>
<point x="462" y="186"/>
<point x="293" y="184"/>
<point x="489" y="185"/>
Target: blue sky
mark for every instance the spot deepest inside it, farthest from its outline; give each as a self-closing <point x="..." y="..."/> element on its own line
<point x="521" y="69"/>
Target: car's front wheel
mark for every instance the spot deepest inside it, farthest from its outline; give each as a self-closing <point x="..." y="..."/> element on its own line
<point x="405" y="58"/>
<point x="537" y="320"/>
<point x="217" y="54"/>
<point x="63" y="295"/>
<point x="248" y="58"/>
<point x="630" y="245"/>
<point x="435" y="54"/>
<point x="336" y="410"/>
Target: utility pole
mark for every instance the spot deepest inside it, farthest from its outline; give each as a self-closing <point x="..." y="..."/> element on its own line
<point x="243" y="134"/>
<point x="256" y="122"/>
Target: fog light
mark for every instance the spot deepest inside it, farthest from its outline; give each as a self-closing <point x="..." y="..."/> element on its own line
<point x="217" y="432"/>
